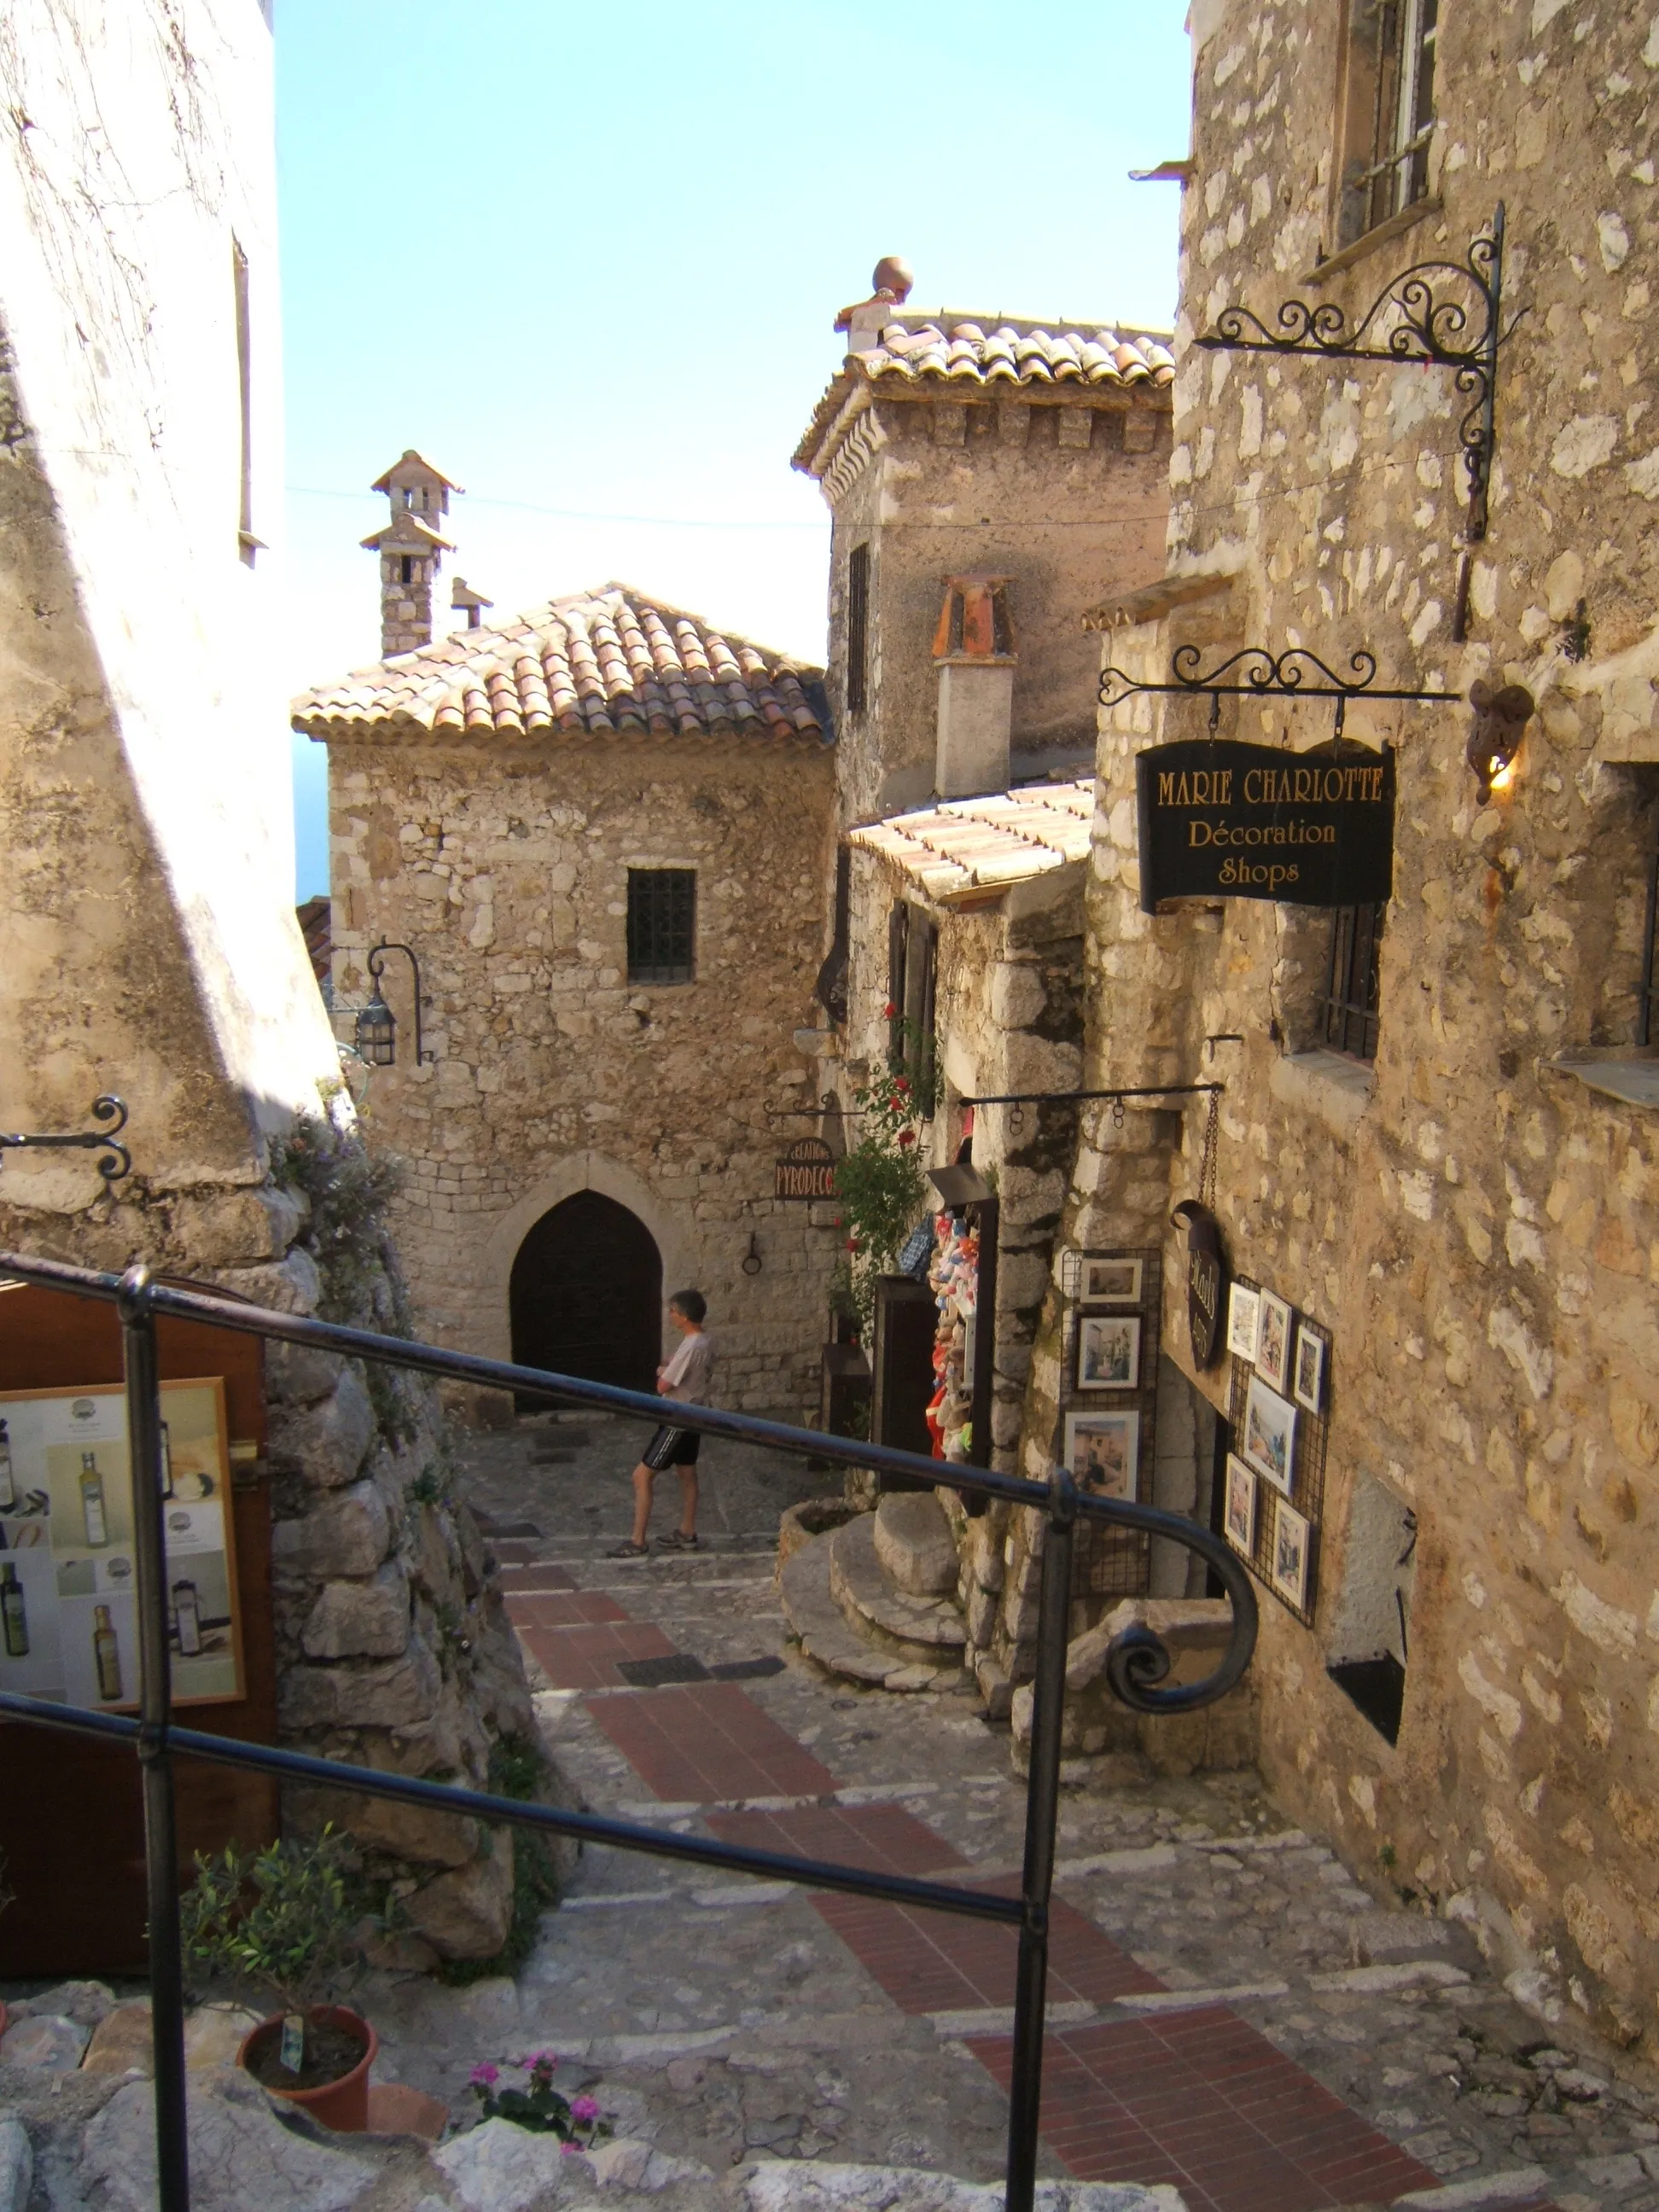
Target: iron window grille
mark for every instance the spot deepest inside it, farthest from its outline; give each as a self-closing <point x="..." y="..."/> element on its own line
<point x="662" y="925"/>
<point x="1647" y="995"/>
<point x="858" y="629"/>
<point x="1349" y="1009"/>
<point x="1390" y="111"/>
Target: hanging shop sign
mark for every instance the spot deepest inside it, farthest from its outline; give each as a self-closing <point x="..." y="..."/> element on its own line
<point x="1206" y="1279"/>
<point x="1221" y="819"/>
<point x="807" y="1170"/>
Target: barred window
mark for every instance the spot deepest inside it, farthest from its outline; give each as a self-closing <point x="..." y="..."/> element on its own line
<point x="1387" y="110"/>
<point x="662" y="925"/>
<point x="858" y="629"/>
<point x="1348" y="1011"/>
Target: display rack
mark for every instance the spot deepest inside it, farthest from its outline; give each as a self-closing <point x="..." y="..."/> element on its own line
<point x="1307" y="1469"/>
<point x="1108" y="1561"/>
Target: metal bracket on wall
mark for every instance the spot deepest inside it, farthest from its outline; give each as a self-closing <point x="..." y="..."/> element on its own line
<point x="118" y="1162"/>
<point x="1445" y="314"/>
<point x="1263" y="675"/>
<point x="1019" y="1100"/>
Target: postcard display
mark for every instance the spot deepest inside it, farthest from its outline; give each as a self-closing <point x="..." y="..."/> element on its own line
<point x="68" y="1594"/>
<point x="1278" y="1405"/>
<point x="1114" y="1305"/>
<point x="953" y="1276"/>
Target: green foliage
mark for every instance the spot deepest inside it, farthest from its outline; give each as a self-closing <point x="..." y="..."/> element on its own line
<point x="431" y="1486"/>
<point x="288" y="1919"/>
<point x="880" y="1187"/>
<point x="348" y="1191"/>
<point x="517" y="1768"/>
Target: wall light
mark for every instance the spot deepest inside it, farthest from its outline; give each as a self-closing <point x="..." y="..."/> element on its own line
<point x="1500" y="723"/>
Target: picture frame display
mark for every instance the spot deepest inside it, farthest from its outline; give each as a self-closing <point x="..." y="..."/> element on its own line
<point x="69" y="1629"/>
<point x="1111" y="1281"/>
<point x="1241" y="1505"/>
<point x="1103" y="1450"/>
<point x="1108" y="1351"/>
<point x="1287" y="1561"/>
<point x="1243" y="1316"/>
<point x="1308" y="1385"/>
<point x="1273" y="1340"/>
<point x="1270" y="1435"/>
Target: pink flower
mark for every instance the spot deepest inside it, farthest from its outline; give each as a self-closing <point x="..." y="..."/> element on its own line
<point x="543" y="2062"/>
<point x="568" y="2150"/>
<point x="584" y="2109"/>
<point x="485" y="2076"/>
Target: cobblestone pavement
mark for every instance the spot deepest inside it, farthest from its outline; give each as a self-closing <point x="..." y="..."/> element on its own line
<point x="1229" y="2010"/>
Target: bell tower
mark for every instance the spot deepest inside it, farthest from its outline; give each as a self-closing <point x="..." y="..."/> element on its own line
<point x="411" y="550"/>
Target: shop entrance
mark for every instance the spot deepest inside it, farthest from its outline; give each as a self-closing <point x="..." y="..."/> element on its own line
<point x="586" y="1295"/>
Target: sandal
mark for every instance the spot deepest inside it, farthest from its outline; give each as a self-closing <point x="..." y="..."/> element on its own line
<point x="676" y="1541"/>
<point x="630" y="1550"/>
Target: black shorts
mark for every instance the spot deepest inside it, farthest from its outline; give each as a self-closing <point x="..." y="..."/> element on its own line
<point x="672" y="1447"/>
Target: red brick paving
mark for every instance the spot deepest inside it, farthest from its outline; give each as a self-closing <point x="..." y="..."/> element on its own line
<point x="586" y="1658"/>
<point x="1201" y="2101"/>
<point x="580" y="1609"/>
<point x="884" y="1837"/>
<point x="707" y="1743"/>
<point x="937" y="1962"/>
<point x="537" y="1579"/>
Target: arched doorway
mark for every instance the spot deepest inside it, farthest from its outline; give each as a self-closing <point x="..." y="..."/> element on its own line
<point x="585" y="1294"/>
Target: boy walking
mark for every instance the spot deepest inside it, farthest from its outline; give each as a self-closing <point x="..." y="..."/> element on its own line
<point x="686" y="1377"/>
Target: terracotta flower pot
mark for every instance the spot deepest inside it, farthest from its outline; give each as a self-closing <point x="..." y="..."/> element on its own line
<point x="341" y="2104"/>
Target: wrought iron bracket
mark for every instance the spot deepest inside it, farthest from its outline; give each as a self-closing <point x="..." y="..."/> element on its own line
<point x="376" y="966"/>
<point x="1446" y="314"/>
<point x="117" y="1161"/>
<point x="1256" y="673"/>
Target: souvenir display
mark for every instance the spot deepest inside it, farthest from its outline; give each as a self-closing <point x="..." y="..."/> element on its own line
<point x="1270" y="1435"/>
<point x="1111" y="1282"/>
<point x="1287" y="1563"/>
<point x="1310" y="1389"/>
<point x="1241" y="1505"/>
<point x="1243" y="1313"/>
<point x="1102" y="1451"/>
<point x="1272" y="1342"/>
<point x="68" y="1615"/>
<point x="1108" y="1352"/>
<point x="953" y="1273"/>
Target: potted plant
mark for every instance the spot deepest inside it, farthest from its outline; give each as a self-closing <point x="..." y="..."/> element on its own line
<point x="537" y="2106"/>
<point x="284" y="1920"/>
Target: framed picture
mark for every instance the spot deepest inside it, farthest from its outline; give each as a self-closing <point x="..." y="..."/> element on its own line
<point x="1309" y="1385"/>
<point x="1108" y="1352"/>
<point x="1103" y="1452"/>
<point x="1272" y="1342"/>
<point x="1241" y="1505"/>
<point x="1270" y="1435"/>
<point x="1287" y="1562"/>
<point x="1243" y="1312"/>
<point x="1111" y="1282"/>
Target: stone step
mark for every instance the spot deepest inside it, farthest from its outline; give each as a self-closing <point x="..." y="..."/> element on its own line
<point x="913" y="1543"/>
<point x="819" y="1627"/>
<point x="926" y="1629"/>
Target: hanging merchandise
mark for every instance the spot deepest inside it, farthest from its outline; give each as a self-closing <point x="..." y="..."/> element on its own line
<point x="954" y="1275"/>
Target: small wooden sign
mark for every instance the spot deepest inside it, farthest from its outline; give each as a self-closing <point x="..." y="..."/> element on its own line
<point x="1206" y="1279"/>
<point x="1223" y="819"/>
<point x="807" y="1171"/>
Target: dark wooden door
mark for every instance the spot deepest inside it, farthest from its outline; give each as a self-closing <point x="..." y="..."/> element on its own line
<point x="586" y="1294"/>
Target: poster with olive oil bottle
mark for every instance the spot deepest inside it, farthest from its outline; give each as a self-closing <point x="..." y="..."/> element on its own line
<point x="68" y="1579"/>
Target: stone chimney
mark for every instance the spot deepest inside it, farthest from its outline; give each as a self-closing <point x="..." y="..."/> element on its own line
<point x="472" y="604"/>
<point x="411" y="550"/>
<point x="974" y="653"/>
<point x="865" y="322"/>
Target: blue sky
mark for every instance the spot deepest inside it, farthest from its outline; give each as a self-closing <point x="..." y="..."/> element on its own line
<point x="587" y="259"/>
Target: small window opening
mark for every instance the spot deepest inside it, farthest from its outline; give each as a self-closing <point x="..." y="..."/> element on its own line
<point x="1349" y="1010"/>
<point x="912" y="990"/>
<point x="1370" y="1625"/>
<point x="405" y="567"/>
<point x="247" y="544"/>
<point x="1390" y="111"/>
<point x="858" y="629"/>
<point x="662" y="925"/>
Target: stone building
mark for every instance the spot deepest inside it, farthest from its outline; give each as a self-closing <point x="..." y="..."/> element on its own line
<point x="1436" y="1142"/>
<point x="151" y="948"/>
<point x="601" y="831"/>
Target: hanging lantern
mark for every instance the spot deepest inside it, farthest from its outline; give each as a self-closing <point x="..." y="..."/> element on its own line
<point x="377" y="1033"/>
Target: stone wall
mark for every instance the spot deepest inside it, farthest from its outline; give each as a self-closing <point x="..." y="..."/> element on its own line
<point x="507" y="870"/>
<point x="1473" y="1224"/>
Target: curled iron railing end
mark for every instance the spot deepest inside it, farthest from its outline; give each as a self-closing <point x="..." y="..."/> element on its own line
<point x="1138" y="1659"/>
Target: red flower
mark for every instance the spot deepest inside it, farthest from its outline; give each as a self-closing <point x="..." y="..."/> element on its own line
<point x="853" y="1244"/>
<point x="907" y="1136"/>
<point x="890" y="1011"/>
<point x="901" y="1082"/>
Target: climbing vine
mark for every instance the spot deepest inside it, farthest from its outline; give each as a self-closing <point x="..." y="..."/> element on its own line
<point x="879" y="1183"/>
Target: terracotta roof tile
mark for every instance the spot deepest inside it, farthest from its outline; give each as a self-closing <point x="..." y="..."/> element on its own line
<point x="966" y="845"/>
<point x="601" y="664"/>
<point x="995" y="355"/>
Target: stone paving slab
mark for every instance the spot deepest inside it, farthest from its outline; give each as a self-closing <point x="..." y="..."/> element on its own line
<point x="590" y="1658"/>
<point x="886" y="1838"/>
<point x="708" y="1741"/>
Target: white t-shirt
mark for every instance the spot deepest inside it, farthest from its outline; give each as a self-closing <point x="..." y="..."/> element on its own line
<point x="686" y="1375"/>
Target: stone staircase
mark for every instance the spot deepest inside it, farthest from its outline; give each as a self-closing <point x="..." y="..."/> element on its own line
<point x="872" y="1596"/>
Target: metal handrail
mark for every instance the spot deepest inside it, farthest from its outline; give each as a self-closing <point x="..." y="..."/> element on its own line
<point x="1137" y="1663"/>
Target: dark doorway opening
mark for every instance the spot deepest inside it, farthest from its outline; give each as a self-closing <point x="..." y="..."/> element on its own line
<point x="586" y="1296"/>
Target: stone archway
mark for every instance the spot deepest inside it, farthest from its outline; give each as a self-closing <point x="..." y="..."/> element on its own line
<point x="584" y="1297"/>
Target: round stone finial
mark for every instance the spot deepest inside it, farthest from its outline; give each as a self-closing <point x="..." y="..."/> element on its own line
<point x="893" y="274"/>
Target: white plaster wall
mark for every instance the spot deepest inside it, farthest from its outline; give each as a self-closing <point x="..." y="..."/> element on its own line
<point x="135" y="141"/>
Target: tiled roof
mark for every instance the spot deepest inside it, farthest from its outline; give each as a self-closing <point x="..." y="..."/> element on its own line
<point x="608" y="663"/>
<point x="968" y="846"/>
<point x="989" y="357"/>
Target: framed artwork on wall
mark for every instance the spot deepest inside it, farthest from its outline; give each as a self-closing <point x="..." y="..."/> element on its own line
<point x="1287" y="1564"/>
<point x="1270" y="1435"/>
<point x="1272" y="1342"/>
<point x="1241" y="1505"/>
<point x="1244" y="1314"/>
<point x="1112" y="1282"/>
<point x="1310" y="1383"/>
<point x="1108" y="1352"/>
<point x="1102" y="1451"/>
